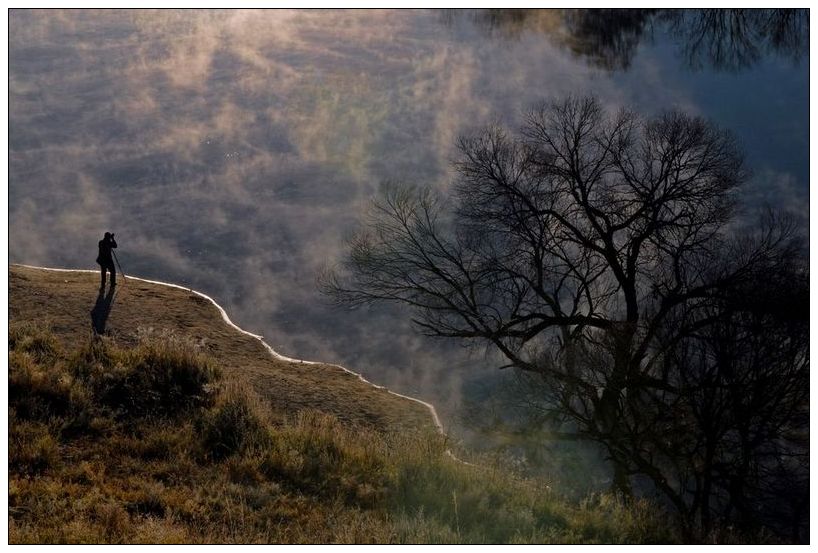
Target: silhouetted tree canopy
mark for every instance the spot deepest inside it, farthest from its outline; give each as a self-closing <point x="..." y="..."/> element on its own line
<point x="592" y="250"/>
<point x="720" y="39"/>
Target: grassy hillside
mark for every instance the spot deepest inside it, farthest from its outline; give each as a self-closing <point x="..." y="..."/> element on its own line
<point x="65" y="300"/>
<point x="178" y="428"/>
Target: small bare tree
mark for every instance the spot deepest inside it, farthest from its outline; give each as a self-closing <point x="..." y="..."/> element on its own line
<point x="583" y="249"/>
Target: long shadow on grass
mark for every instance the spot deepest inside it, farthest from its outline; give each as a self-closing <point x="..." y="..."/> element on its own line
<point x="102" y="308"/>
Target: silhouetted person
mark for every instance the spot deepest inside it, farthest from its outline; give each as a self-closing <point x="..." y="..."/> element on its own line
<point x="105" y="259"/>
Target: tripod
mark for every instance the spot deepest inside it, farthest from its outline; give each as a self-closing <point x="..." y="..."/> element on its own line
<point x="124" y="280"/>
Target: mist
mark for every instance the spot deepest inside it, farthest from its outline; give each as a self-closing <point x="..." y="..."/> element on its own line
<point x="235" y="151"/>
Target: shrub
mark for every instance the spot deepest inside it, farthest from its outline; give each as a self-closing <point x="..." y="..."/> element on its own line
<point x="35" y="339"/>
<point x="39" y="387"/>
<point x="114" y="519"/>
<point x="93" y="357"/>
<point x="244" y="470"/>
<point x="42" y="394"/>
<point x="148" y="500"/>
<point x="35" y="393"/>
<point x="158" y="441"/>
<point x="32" y="447"/>
<point x="234" y="426"/>
<point x="160" y="376"/>
<point x="319" y="455"/>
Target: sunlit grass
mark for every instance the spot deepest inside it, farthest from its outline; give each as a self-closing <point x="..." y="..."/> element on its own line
<point x="148" y="444"/>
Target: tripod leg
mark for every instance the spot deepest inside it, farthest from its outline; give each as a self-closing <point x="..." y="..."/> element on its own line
<point x="119" y="266"/>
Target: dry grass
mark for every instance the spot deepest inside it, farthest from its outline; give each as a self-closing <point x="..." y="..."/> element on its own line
<point x="90" y="466"/>
<point x="64" y="301"/>
<point x="153" y="438"/>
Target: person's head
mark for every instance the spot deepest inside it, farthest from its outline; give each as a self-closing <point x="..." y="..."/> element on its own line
<point x="108" y="236"/>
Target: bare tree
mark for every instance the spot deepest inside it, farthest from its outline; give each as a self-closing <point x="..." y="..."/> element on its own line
<point x="743" y="393"/>
<point x="736" y="39"/>
<point x="584" y="249"/>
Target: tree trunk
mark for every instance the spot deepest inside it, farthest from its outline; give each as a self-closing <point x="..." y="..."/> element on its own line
<point x="621" y="485"/>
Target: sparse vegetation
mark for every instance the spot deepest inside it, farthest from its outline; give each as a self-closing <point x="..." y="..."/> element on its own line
<point x="149" y="444"/>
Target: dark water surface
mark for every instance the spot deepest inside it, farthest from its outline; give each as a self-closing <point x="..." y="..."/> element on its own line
<point x="233" y="151"/>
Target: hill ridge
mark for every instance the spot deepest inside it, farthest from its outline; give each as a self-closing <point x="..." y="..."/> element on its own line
<point x="226" y="318"/>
